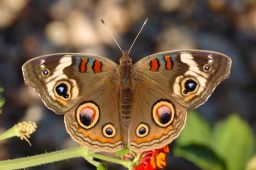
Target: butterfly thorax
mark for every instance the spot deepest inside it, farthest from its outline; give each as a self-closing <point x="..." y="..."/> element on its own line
<point x="125" y="70"/>
<point x="126" y="91"/>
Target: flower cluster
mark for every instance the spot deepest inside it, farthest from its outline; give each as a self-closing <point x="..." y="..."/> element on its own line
<point x="153" y="160"/>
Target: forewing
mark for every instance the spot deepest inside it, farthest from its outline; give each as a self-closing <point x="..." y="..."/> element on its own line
<point x="189" y="76"/>
<point x="79" y="86"/>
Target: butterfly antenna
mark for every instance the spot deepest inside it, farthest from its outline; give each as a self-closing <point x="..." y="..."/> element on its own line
<point x="146" y="20"/>
<point x="110" y="33"/>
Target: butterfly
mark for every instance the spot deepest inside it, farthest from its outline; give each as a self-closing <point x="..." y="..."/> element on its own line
<point x="143" y="106"/>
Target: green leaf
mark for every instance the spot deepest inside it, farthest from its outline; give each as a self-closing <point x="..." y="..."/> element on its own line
<point x="201" y="156"/>
<point x="233" y="141"/>
<point x="251" y="165"/>
<point x="197" y="131"/>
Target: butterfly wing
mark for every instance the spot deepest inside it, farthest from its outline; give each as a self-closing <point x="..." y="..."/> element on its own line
<point x="166" y="85"/>
<point x="94" y="122"/>
<point x="78" y="86"/>
<point x="156" y="118"/>
<point x="190" y="76"/>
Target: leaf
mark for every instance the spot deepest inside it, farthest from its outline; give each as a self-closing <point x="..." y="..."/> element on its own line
<point x="233" y="141"/>
<point x="197" y="131"/>
<point x="201" y="156"/>
<point x="251" y="165"/>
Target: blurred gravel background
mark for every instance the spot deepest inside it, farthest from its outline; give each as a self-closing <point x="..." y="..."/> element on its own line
<point x="29" y="28"/>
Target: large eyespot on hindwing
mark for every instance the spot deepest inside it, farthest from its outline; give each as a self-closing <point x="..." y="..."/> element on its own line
<point x="189" y="85"/>
<point x="87" y="115"/>
<point x="109" y="131"/>
<point x="142" y="130"/>
<point x="62" y="89"/>
<point x="163" y="113"/>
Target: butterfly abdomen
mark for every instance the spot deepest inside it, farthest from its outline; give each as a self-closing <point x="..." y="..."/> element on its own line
<point x="126" y="103"/>
<point x="125" y="72"/>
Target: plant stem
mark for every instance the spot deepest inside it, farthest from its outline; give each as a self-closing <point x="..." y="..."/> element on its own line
<point x="8" y="134"/>
<point x="21" y="163"/>
<point x="127" y="164"/>
<point x="26" y="162"/>
<point x="23" y="130"/>
<point x="136" y="159"/>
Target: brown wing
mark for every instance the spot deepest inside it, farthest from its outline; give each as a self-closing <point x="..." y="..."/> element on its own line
<point x="94" y="121"/>
<point x="157" y="119"/>
<point x="79" y="86"/>
<point x="190" y="76"/>
<point x="75" y="74"/>
<point x="166" y="85"/>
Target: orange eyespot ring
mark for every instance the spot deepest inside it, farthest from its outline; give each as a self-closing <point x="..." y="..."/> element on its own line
<point x="163" y="113"/>
<point x="87" y="115"/>
<point x="109" y="131"/>
<point x="142" y="130"/>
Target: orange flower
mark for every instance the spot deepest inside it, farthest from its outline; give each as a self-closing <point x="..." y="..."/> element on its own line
<point x="153" y="160"/>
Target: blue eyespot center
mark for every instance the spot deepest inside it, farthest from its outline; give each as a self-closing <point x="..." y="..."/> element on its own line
<point x="85" y="119"/>
<point x="142" y="130"/>
<point x="62" y="89"/>
<point x="190" y="86"/>
<point x="45" y="72"/>
<point x="165" y="117"/>
<point x="109" y="131"/>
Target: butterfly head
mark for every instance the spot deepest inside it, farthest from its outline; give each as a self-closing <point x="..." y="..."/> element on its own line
<point x="125" y="59"/>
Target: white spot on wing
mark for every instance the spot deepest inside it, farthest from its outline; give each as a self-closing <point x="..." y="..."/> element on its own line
<point x="210" y="61"/>
<point x="194" y="71"/>
<point x="42" y="61"/>
<point x="64" y="62"/>
<point x="58" y="74"/>
<point x="188" y="59"/>
<point x="176" y="86"/>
